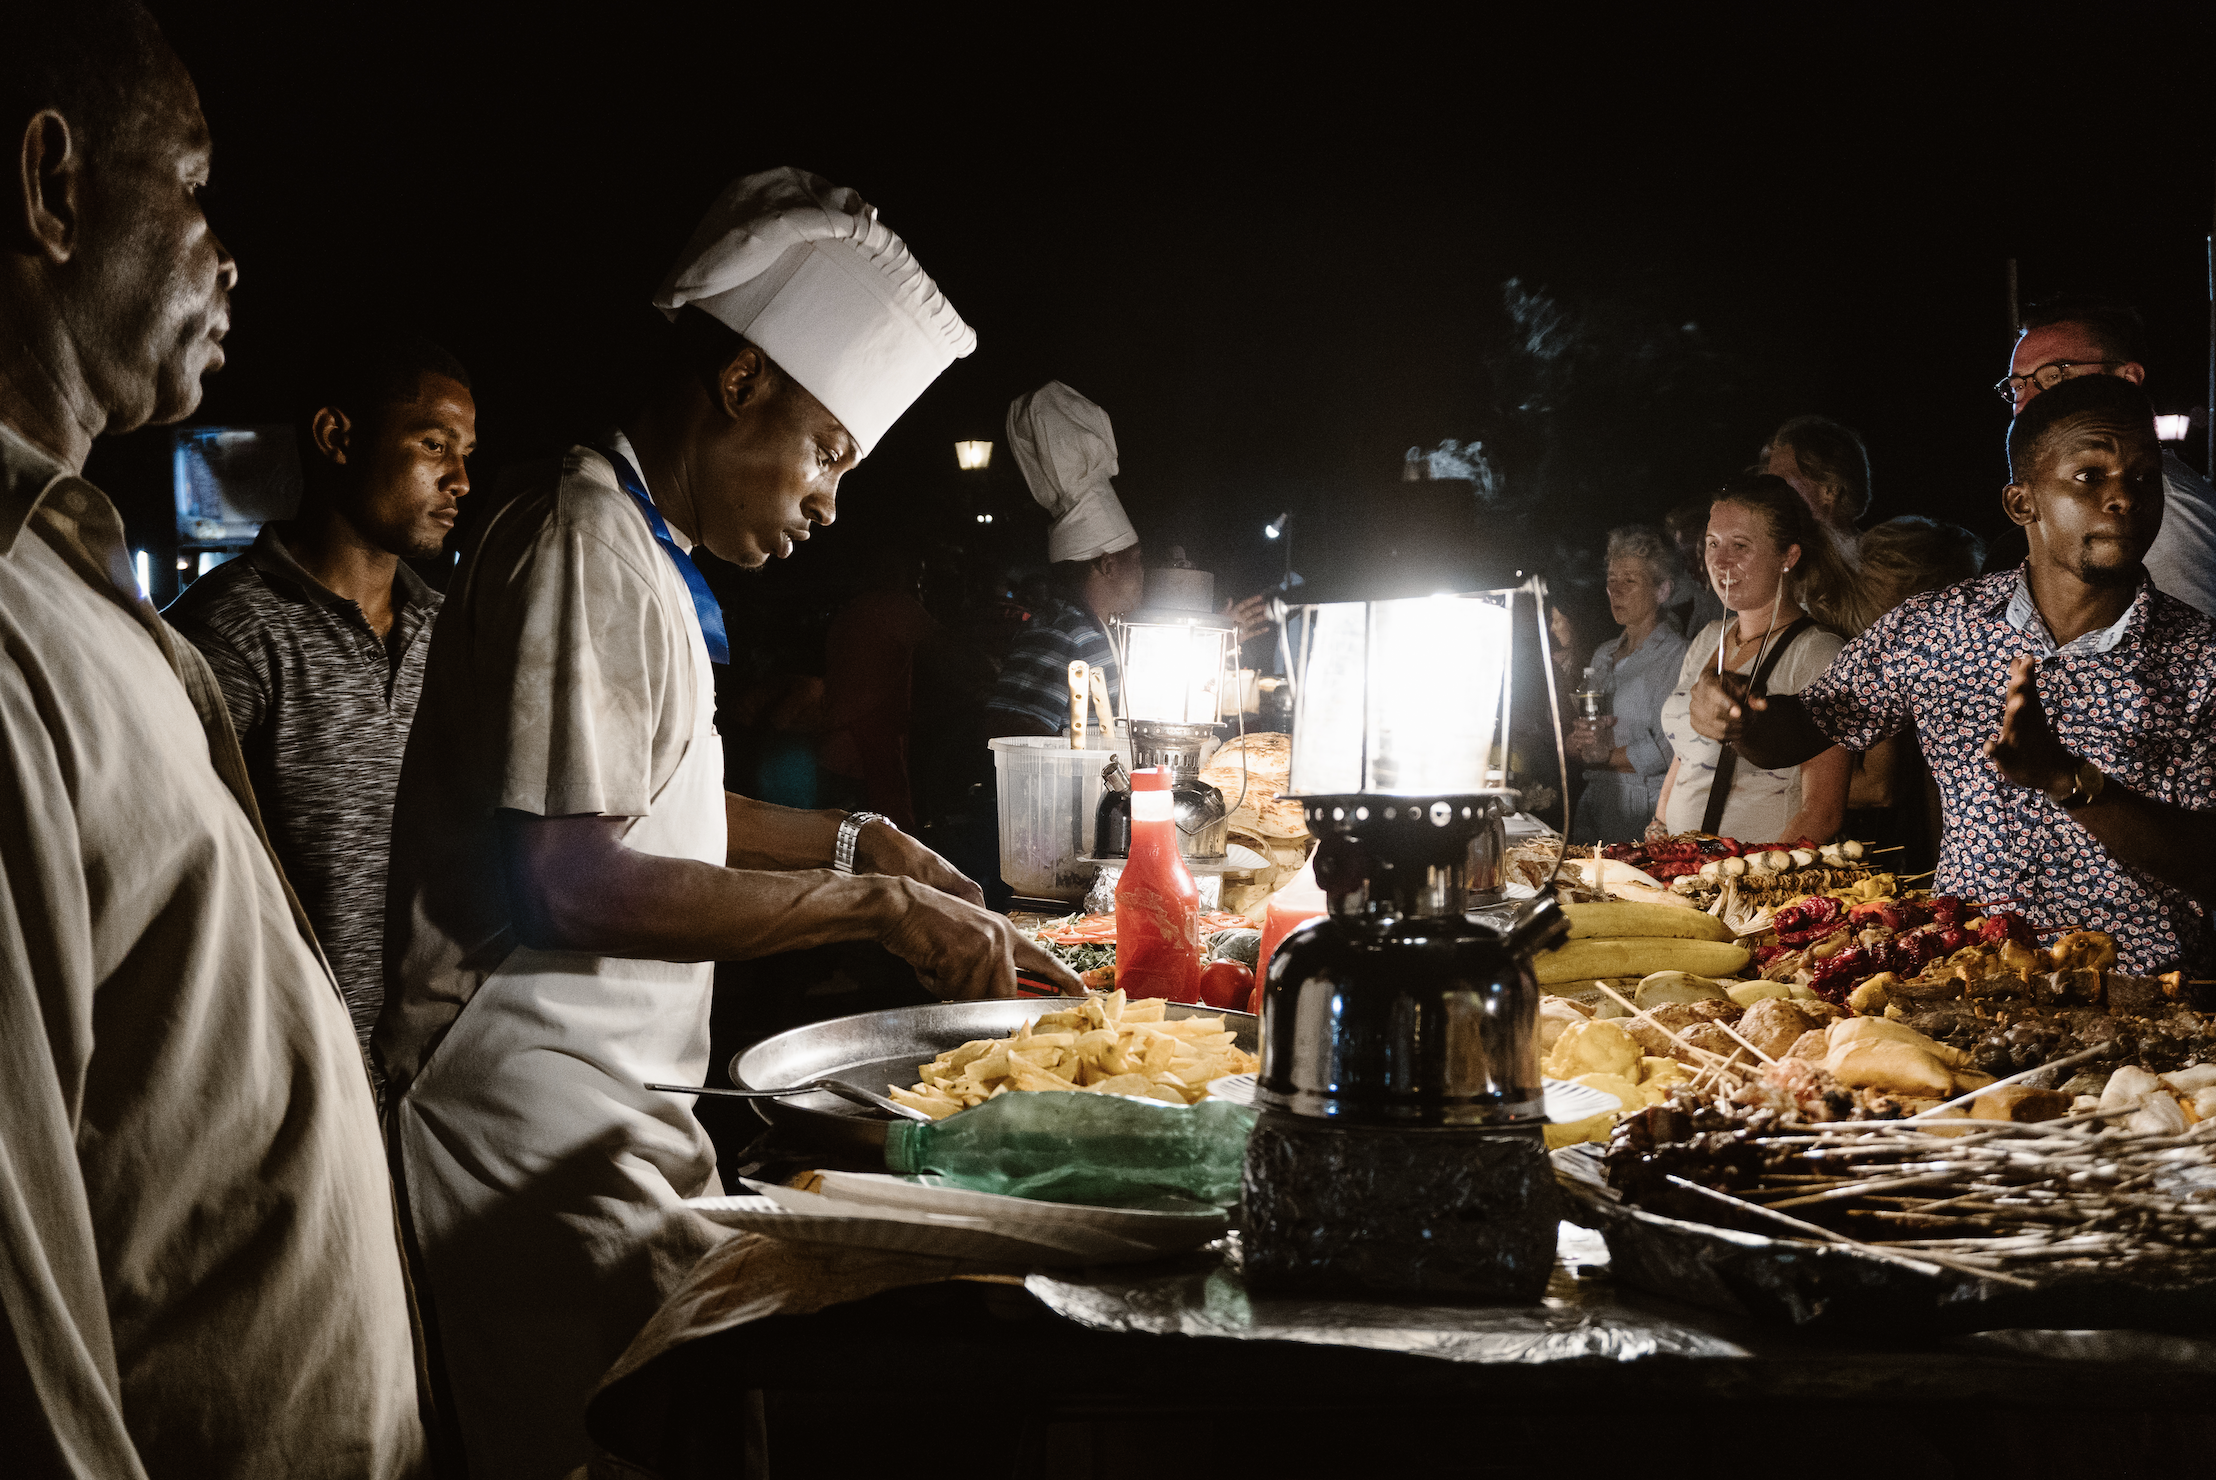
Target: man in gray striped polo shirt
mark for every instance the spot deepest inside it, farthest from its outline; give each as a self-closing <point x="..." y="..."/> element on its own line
<point x="318" y="634"/>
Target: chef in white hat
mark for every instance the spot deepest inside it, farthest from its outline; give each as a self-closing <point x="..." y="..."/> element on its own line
<point x="566" y="863"/>
<point x="1067" y="450"/>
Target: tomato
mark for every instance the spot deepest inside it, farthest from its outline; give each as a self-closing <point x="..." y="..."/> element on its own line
<point x="1254" y="999"/>
<point x="1226" y="984"/>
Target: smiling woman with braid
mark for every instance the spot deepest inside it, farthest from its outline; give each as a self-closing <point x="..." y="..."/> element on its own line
<point x="1782" y="580"/>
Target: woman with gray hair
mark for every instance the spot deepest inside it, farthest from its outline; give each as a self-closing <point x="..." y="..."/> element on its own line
<point x="1625" y="752"/>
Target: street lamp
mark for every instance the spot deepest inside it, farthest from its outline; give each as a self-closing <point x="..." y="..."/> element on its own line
<point x="2173" y="428"/>
<point x="973" y="457"/>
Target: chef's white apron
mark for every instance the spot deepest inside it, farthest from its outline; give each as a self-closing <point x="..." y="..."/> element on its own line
<point x="543" y="1177"/>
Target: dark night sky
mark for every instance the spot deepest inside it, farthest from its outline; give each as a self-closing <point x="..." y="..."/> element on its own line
<point x="1277" y="262"/>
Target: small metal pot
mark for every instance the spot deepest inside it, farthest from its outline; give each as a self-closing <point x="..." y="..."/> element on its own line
<point x="1203" y="822"/>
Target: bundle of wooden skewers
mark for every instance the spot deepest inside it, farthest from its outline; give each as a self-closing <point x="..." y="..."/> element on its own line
<point x="2023" y="1204"/>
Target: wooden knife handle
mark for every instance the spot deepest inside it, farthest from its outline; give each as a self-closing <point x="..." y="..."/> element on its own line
<point x="1101" y="709"/>
<point x="1080" y="690"/>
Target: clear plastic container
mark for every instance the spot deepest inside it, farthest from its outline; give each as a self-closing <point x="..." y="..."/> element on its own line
<point x="1048" y="793"/>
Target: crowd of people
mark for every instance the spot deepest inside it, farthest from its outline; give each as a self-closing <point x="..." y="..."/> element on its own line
<point x="1774" y="576"/>
<point x="346" y="923"/>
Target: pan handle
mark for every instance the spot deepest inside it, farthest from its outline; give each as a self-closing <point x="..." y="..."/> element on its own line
<point x="851" y="1092"/>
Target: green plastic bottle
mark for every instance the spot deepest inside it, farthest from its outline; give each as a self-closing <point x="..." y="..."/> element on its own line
<point x="1103" y="1150"/>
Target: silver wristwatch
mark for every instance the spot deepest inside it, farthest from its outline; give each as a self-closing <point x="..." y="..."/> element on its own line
<point x="842" y="852"/>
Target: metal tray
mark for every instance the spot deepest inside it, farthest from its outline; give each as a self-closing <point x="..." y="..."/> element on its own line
<point x="878" y="1050"/>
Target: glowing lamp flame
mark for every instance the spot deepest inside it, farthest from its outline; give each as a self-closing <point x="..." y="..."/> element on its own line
<point x="2173" y="428"/>
<point x="973" y="457"/>
<point x="1174" y="671"/>
<point x="1403" y="696"/>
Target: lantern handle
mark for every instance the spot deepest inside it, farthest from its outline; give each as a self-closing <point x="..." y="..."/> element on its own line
<point x="1279" y="612"/>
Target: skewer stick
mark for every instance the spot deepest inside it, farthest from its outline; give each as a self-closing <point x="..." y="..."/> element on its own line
<point x="1734" y="1032"/>
<point x="1814" y="1230"/>
<point x="1724" y="635"/>
<point x="2098" y="1051"/>
<point x="1714" y="1059"/>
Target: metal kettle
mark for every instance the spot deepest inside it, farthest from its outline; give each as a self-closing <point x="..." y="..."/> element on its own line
<point x="1397" y="1008"/>
<point x="1203" y="823"/>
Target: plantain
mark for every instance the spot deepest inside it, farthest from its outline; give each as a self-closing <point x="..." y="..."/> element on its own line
<point x="1622" y="918"/>
<point x="1638" y="956"/>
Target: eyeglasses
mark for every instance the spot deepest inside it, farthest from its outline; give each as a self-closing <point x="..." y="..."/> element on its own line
<point x="2047" y="376"/>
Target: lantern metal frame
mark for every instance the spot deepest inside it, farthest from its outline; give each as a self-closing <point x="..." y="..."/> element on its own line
<point x="1370" y="772"/>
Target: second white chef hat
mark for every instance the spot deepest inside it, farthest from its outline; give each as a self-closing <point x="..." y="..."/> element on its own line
<point x="1067" y="450"/>
<point x="805" y="270"/>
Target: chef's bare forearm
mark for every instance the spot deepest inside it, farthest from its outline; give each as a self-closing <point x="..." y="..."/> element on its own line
<point x="2174" y="844"/>
<point x="1780" y="735"/>
<point x="574" y="886"/>
<point x="764" y="835"/>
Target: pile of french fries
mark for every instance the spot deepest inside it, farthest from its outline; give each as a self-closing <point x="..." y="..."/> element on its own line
<point x="1106" y="1043"/>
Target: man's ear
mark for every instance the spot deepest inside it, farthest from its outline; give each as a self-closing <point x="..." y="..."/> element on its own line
<point x="2017" y="504"/>
<point x="744" y="381"/>
<point x="2132" y="371"/>
<point x="51" y="173"/>
<point x="331" y="433"/>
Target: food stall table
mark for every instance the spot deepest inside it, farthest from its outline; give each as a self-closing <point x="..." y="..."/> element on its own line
<point x="877" y="1364"/>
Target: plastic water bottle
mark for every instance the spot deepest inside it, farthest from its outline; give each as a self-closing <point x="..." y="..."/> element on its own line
<point x="1070" y="1147"/>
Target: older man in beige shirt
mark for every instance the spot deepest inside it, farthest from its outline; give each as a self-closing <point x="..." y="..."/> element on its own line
<point x="202" y="1274"/>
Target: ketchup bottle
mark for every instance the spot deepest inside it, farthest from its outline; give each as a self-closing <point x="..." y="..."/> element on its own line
<point x="1157" y="903"/>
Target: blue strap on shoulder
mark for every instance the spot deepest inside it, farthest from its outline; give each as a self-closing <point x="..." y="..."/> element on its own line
<point x="705" y="605"/>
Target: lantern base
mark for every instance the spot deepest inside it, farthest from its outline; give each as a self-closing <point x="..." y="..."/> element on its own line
<point x="1365" y="1210"/>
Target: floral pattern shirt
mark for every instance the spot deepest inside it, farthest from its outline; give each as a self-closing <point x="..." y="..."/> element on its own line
<point x="2137" y="699"/>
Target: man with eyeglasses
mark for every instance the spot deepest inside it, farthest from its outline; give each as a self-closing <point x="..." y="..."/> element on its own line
<point x="2068" y="708"/>
<point x="2067" y="337"/>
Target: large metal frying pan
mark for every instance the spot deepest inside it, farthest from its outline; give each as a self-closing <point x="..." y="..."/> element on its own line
<point x="878" y="1050"/>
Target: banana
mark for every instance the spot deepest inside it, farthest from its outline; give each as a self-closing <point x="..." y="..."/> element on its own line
<point x="1639" y="956"/>
<point x="1611" y="918"/>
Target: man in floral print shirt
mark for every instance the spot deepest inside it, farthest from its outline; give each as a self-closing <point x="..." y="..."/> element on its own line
<point x="2067" y="707"/>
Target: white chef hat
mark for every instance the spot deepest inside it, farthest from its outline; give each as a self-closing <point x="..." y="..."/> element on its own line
<point x="1067" y="451"/>
<point x="805" y="270"/>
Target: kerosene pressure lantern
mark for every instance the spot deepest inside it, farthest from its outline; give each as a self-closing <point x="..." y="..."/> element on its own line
<point x="1400" y="1148"/>
<point x="1177" y="655"/>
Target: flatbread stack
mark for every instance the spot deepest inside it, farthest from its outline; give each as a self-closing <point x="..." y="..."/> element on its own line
<point x="1252" y="772"/>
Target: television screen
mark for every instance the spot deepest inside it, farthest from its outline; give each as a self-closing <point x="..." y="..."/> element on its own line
<point x="232" y="480"/>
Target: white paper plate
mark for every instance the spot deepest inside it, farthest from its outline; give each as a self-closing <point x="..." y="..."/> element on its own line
<point x="1566" y="1102"/>
<point x="934" y="1238"/>
<point x="875" y="1211"/>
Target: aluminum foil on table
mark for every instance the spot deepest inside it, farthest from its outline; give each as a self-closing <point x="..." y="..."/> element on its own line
<point x="1580" y="1319"/>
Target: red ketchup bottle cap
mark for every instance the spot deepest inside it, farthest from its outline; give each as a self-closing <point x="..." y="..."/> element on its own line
<point x="1151" y="778"/>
